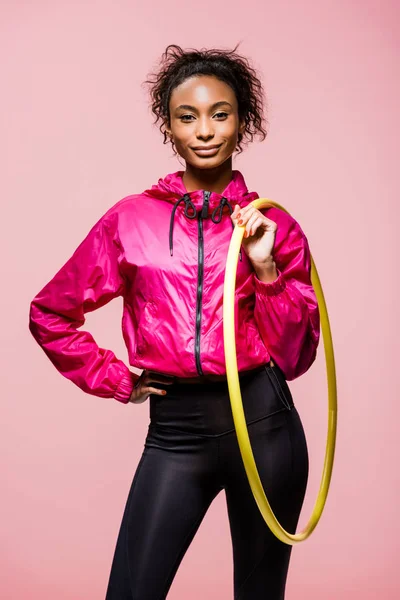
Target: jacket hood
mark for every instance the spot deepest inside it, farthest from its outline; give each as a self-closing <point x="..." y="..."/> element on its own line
<point x="201" y="203"/>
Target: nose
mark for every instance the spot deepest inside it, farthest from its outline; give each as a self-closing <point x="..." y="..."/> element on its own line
<point x="204" y="129"/>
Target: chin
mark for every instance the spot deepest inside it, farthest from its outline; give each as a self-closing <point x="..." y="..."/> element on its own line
<point x="205" y="163"/>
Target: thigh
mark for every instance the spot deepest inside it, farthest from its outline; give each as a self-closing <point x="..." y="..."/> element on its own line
<point x="261" y="561"/>
<point x="172" y="489"/>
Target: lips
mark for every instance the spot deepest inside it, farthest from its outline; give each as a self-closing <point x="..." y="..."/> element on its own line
<point x="206" y="150"/>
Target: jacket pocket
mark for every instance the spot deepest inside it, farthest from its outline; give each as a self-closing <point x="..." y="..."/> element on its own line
<point x="280" y="385"/>
<point x="145" y="326"/>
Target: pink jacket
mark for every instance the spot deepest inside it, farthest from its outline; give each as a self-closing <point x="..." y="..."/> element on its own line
<point x="164" y="251"/>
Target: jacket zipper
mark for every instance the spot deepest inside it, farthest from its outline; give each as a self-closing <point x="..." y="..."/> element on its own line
<point x="200" y="278"/>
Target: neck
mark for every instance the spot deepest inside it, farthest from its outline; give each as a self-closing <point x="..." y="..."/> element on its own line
<point x="212" y="180"/>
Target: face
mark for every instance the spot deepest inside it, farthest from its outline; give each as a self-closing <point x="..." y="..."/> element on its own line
<point x="204" y="121"/>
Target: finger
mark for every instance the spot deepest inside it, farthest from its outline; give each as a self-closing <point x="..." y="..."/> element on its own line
<point x="252" y="225"/>
<point x="245" y="214"/>
<point x="235" y="213"/>
<point x="153" y="390"/>
<point x="252" y="219"/>
<point x="249" y="208"/>
<point x="256" y="225"/>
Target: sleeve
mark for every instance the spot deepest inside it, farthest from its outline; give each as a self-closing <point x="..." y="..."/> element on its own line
<point x="286" y="310"/>
<point x="89" y="279"/>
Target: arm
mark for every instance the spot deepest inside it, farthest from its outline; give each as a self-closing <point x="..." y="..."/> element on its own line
<point x="286" y="309"/>
<point x="88" y="280"/>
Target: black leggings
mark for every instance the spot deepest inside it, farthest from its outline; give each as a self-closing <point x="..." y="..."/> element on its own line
<point x="191" y="453"/>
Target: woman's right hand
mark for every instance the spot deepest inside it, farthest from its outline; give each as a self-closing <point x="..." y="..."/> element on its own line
<point x="142" y="389"/>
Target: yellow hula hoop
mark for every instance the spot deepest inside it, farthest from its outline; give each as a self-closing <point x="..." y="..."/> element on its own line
<point x="236" y="398"/>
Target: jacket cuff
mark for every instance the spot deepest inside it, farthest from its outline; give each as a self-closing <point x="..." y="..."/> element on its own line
<point x="272" y="288"/>
<point x="125" y="386"/>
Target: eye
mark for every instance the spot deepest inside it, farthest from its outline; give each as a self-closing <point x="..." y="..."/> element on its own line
<point x="182" y="117"/>
<point x="224" y="114"/>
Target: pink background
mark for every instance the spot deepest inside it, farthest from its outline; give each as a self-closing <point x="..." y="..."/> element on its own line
<point x="77" y="136"/>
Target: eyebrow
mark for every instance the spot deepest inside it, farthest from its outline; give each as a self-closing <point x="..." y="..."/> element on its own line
<point x="190" y="107"/>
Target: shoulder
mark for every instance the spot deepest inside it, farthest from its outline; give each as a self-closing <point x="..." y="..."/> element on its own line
<point x="125" y="204"/>
<point x="287" y="224"/>
<point x="124" y="209"/>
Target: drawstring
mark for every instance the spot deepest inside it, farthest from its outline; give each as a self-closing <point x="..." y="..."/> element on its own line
<point x="189" y="204"/>
<point x="220" y="207"/>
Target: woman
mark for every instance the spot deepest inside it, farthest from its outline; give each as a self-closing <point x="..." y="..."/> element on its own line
<point x="164" y="250"/>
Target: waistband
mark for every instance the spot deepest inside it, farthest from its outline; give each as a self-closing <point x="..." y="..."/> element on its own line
<point x="210" y="378"/>
<point x="206" y="409"/>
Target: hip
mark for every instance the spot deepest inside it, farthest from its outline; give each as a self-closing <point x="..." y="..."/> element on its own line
<point x="205" y="408"/>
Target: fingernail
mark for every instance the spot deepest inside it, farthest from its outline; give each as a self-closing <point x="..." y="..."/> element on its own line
<point x="240" y="222"/>
<point x="164" y="392"/>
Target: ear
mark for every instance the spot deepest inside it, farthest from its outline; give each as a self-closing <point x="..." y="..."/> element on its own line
<point x="168" y="129"/>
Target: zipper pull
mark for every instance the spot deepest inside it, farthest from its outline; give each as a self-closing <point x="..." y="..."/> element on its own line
<point x="204" y="210"/>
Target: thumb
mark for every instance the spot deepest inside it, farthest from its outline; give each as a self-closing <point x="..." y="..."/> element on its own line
<point x="234" y="214"/>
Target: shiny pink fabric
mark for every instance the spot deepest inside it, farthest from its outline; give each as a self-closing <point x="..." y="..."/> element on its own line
<point x="126" y="253"/>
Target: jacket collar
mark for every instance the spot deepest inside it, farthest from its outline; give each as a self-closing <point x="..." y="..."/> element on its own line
<point x="197" y="204"/>
<point x="171" y="187"/>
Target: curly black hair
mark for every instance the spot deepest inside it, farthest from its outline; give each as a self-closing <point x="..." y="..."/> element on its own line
<point x="177" y="65"/>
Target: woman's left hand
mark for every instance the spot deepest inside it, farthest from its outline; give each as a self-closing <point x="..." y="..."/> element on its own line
<point x="259" y="237"/>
